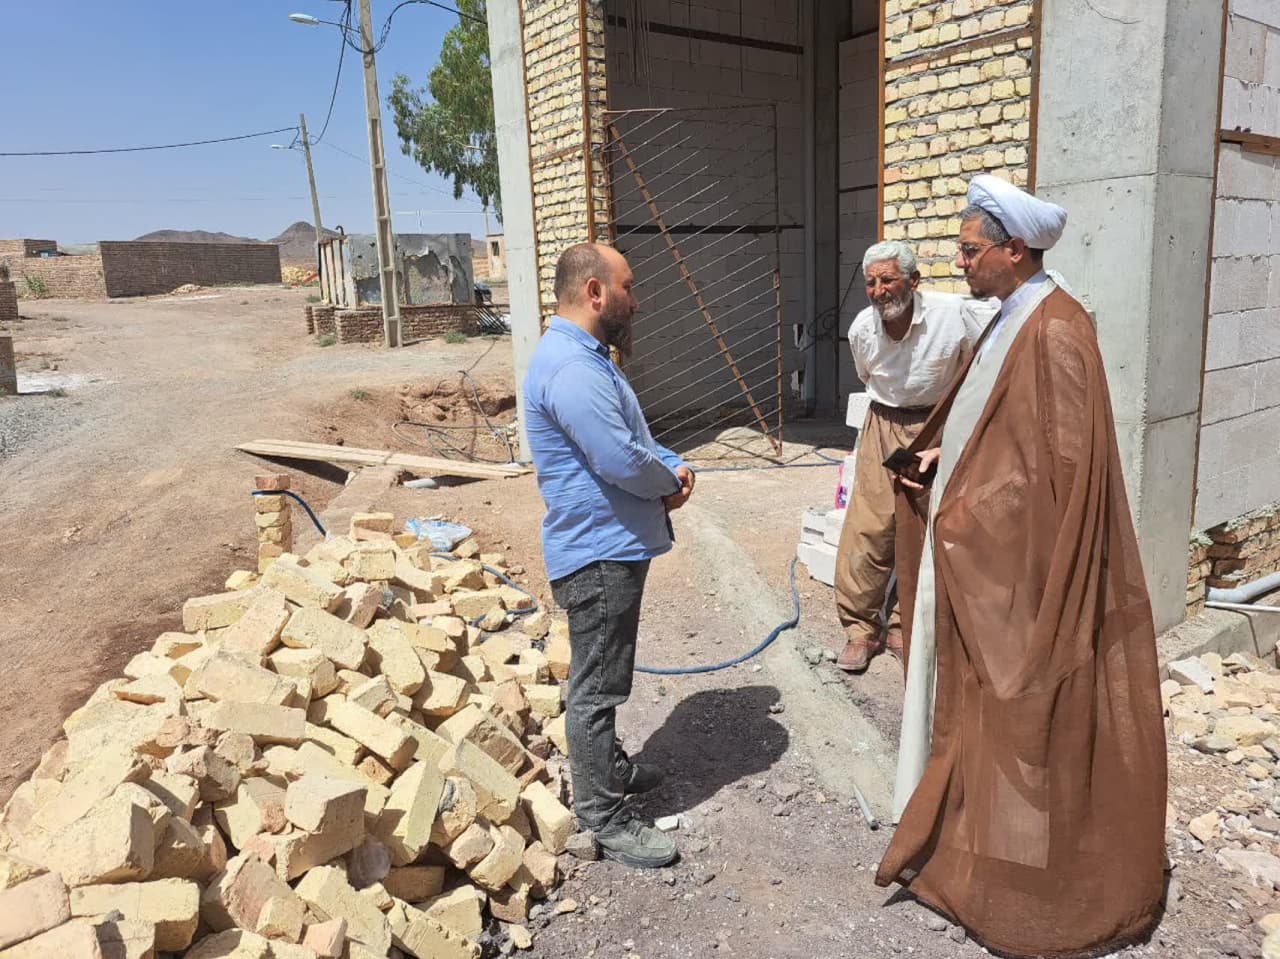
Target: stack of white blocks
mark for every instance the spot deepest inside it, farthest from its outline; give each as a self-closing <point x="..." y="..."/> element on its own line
<point x="819" y="537"/>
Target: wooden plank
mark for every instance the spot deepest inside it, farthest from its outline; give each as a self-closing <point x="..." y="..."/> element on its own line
<point x="353" y="456"/>
<point x="1252" y="142"/>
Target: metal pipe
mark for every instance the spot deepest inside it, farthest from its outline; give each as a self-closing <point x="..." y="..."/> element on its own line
<point x="1244" y="607"/>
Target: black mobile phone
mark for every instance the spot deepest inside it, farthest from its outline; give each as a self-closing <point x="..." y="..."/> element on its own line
<point x="901" y="462"/>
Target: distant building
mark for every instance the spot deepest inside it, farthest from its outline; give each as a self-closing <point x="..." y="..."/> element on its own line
<point x="496" y="247"/>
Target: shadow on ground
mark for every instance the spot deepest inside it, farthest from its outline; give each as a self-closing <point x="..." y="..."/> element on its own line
<point x="711" y="740"/>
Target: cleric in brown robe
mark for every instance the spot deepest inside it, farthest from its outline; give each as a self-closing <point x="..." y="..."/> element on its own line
<point x="1031" y="780"/>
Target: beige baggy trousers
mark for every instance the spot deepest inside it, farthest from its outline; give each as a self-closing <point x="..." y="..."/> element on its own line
<point x="864" y="560"/>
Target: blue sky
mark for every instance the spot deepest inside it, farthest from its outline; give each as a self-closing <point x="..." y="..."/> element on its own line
<point x="88" y="74"/>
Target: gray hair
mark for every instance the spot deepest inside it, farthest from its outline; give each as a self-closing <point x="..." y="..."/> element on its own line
<point x="890" y="250"/>
<point x="991" y="228"/>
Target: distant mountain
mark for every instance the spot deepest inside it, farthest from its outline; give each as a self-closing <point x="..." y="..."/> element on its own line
<point x="194" y="236"/>
<point x="297" y="243"/>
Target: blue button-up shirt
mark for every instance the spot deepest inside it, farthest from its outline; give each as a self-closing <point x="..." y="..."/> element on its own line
<point x="599" y="470"/>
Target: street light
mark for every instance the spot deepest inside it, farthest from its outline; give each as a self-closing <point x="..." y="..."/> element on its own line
<point x="383" y="236"/>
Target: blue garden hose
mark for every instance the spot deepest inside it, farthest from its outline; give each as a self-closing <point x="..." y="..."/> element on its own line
<point x="765" y="644"/>
<point x="652" y="670"/>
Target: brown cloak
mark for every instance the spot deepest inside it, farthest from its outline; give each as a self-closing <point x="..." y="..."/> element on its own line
<point x="1039" y="823"/>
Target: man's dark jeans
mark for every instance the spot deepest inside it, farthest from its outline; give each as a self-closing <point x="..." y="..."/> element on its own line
<point x="603" y="603"/>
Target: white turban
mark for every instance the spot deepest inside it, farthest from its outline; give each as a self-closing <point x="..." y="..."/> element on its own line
<point x="1037" y="223"/>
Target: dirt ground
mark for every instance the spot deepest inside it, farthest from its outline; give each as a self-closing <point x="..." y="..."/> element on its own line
<point x="120" y="491"/>
<point x="123" y="497"/>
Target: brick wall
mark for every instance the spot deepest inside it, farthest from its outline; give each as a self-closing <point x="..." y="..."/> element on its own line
<point x="8" y="302"/>
<point x="1239" y="464"/>
<point x="140" y="268"/>
<point x="553" y="38"/>
<point x="1244" y="548"/>
<point x="79" y="277"/>
<point x="364" y="324"/>
<point x="958" y="102"/>
<point x="26" y="247"/>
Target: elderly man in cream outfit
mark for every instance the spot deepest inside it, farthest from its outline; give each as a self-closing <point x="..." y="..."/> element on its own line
<point x="907" y="346"/>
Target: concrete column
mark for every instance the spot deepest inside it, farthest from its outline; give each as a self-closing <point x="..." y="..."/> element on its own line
<point x="1128" y="116"/>
<point x="506" y="55"/>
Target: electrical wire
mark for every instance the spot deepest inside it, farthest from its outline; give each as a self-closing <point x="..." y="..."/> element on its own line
<point x="398" y="176"/>
<point x="333" y="97"/>
<point x="159" y="146"/>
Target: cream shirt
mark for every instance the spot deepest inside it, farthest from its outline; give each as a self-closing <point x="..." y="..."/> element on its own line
<point x="915" y="370"/>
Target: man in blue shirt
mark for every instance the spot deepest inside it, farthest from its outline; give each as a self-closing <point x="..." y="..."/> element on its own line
<point x="608" y="488"/>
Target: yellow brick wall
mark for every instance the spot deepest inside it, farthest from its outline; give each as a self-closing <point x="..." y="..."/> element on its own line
<point x="958" y="96"/>
<point x="553" y="37"/>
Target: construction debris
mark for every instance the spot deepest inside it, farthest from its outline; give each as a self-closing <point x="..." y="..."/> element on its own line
<point x="332" y="759"/>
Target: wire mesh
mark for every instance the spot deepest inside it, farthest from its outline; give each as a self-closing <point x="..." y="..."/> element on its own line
<point x="695" y="209"/>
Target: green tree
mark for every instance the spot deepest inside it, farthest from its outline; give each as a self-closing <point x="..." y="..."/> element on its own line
<point x="448" y="125"/>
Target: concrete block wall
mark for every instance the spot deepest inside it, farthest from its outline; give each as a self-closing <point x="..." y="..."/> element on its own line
<point x="710" y="162"/>
<point x="1239" y="458"/>
<point x="141" y="268"/>
<point x="958" y="102"/>
<point x="566" y="211"/>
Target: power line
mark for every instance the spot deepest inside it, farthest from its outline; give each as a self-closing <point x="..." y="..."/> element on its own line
<point x="342" y="50"/>
<point x="160" y="146"/>
<point x="398" y="176"/>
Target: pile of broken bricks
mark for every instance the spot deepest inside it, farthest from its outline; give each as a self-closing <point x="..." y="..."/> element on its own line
<point x="1228" y="712"/>
<point x="355" y="753"/>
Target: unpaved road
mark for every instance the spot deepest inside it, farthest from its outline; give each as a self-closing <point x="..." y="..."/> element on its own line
<point x="125" y="496"/>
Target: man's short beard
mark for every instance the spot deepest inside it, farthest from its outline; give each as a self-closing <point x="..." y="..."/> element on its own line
<point x="616" y="321"/>
<point x="894" y="309"/>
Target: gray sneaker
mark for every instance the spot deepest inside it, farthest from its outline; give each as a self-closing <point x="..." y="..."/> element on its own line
<point x="633" y="842"/>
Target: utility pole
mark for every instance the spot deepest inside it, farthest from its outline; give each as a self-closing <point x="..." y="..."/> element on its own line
<point x="311" y="179"/>
<point x="383" y="236"/>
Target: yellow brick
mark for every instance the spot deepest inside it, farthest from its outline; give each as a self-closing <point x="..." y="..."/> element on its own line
<point x="894" y="231"/>
<point x="1015" y="155"/>
<point x="938" y="147"/>
<point x="1023" y="86"/>
<point x="939" y="188"/>
<point x="895" y="192"/>
<point x="992" y="69"/>
<point x="890" y="214"/>
<point x="966" y="120"/>
<point x="921" y="19"/>
<point x="928" y="83"/>
<point x="1022" y="131"/>
<point x="937" y="228"/>
<point x="958" y="100"/>
<point x="1004" y="89"/>
<point x="949" y="80"/>
<point x="907" y="211"/>
<point x="1014" y="111"/>
<point x="970" y="28"/>
<point x="951" y="166"/>
<point x="992" y="159"/>
<point x="940" y="269"/>
<point x="993" y="22"/>
<point x="970" y="75"/>
<point x="1017" y="17"/>
<point x="895" y="115"/>
<point x="917" y="230"/>
<point x="930" y="169"/>
<point x="909" y="44"/>
<point x="929" y="38"/>
<point x="918" y="191"/>
<point x="917" y="151"/>
<point x="947" y="122"/>
<point x="989" y="114"/>
<point x="1002" y="133"/>
<point x="979" y="138"/>
<point x="949" y="33"/>
<point x="1015" y="66"/>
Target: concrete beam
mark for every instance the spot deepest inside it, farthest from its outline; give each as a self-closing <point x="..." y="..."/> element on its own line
<point x="1139" y="191"/>
<point x="506" y="57"/>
